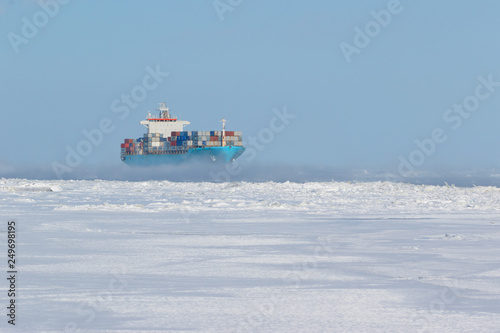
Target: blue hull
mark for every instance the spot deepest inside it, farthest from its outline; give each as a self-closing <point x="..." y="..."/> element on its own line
<point x="217" y="154"/>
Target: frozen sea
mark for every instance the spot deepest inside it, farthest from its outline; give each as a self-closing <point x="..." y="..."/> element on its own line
<point x="161" y="256"/>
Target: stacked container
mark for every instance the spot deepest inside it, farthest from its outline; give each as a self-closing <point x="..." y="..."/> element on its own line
<point x="192" y="139"/>
<point x="179" y="142"/>
<point x="128" y="146"/>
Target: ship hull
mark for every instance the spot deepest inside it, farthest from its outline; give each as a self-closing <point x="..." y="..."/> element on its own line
<point x="216" y="154"/>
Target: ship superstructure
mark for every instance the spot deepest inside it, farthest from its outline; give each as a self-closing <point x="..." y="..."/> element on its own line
<point x="164" y="124"/>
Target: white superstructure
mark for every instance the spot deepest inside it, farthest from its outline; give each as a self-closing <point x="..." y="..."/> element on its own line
<point x="164" y="123"/>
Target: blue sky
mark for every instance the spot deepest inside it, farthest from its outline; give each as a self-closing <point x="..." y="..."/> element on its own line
<point x="242" y="59"/>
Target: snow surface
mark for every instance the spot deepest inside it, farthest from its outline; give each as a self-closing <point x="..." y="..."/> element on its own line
<point x="116" y="256"/>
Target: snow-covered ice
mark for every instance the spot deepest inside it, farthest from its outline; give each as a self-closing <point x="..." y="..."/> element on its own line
<point x="116" y="256"/>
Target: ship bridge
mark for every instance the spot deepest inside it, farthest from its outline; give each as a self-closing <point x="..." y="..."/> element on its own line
<point x="165" y="123"/>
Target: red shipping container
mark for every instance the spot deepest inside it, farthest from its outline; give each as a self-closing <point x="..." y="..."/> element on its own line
<point x="173" y="143"/>
<point x="229" y="133"/>
<point x="214" y="138"/>
<point x="169" y="139"/>
<point x="123" y="145"/>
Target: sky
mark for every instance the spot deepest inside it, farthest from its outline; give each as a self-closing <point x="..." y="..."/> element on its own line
<point x="397" y="86"/>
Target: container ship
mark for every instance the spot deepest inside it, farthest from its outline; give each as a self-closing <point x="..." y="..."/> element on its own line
<point x="166" y="142"/>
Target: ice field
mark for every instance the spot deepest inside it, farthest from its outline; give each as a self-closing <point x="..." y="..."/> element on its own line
<point x="160" y="256"/>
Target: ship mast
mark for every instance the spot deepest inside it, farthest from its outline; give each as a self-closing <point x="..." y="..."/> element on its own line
<point x="223" y="132"/>
<point x="164" y="112"/>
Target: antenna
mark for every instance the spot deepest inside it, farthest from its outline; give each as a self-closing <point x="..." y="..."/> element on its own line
<point x="164" y="112"/>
